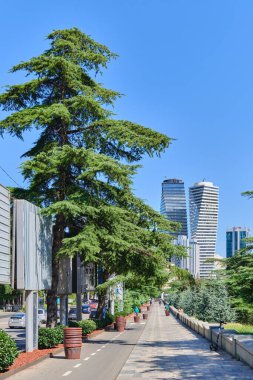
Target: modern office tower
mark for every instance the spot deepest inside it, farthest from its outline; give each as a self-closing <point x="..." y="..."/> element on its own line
<point x="204" y="199"/>
<point x="191" y="262"/>
<point x="234" y="239"/>
<point x="173" y="204"/>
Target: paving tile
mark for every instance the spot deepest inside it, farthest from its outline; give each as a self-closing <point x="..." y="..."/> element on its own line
<point x="168" y="350"/>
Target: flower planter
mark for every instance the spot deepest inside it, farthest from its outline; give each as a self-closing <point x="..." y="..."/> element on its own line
<point x="145" y="316"/>
<point x="148" y="308"/>
<point x="167" y="313"/>
<point x="136" y="318"/>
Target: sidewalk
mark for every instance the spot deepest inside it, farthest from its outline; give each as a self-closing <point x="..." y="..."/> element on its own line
<point x="168" y="350"/>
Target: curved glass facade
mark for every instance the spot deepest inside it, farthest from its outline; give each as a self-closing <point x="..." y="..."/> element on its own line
<point x="173" y="204"/>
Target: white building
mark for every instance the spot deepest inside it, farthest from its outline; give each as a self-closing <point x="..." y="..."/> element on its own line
<point x="191" y="262"/>
<point x="204" y="221"/>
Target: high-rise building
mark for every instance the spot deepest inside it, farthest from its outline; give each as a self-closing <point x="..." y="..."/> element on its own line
<point x="204" y="199"/>
<point x="191" y="262"/>
<point x="173" y="204"/>
<point x="235" y="239"/>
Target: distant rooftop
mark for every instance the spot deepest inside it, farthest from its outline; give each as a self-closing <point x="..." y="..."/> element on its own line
<point x="203" y="183"/>
<point x="173" y="180"/>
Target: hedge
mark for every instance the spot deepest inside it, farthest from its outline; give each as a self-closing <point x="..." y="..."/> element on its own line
<point x="50" y="337"/>
<point x="8" y="350"/>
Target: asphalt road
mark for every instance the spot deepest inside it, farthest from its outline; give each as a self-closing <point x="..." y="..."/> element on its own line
<point x="102" y="358"/>
<point x="17" y="334"/>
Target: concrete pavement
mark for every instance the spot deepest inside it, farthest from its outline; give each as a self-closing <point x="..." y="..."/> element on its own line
<point x="168" y="350"/>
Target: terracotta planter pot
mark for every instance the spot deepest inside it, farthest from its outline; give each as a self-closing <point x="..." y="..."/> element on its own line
<point x="72" y="342"/>
<point x="72" y="352"/>
<point x="148" y="308"/>
<point x="120" y="323"/>
<point x="167" y="313"/>
<point x="145" y="316"/>
<point x="136" y="319"/>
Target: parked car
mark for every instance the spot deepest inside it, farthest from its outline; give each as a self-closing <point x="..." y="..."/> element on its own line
<point x="42" y="316"/>
<point x="17" y="321"/>
<point x="93" y="304"/>
<point x="93" y="313"/>
<point x="72" y="314"/>
<point x="86" y="309"/>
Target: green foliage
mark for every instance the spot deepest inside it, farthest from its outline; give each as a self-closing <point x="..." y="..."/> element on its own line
<point x="80" y="170"/>
<point x="207" y="301"/>
<point x="8" y="350"/>
<point x="7" y="293"/>
<point x="180" y="279"/>
<point x="101" y="323"/>
<point x="87" y="325"/>
<point x="239" y="279"/>
<point x="50" y="337"/>
<point x="133" y="298"/>
<point x="240" y="328"/>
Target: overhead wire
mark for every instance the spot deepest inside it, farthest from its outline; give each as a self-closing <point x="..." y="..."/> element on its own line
<point x="8" y="175"/>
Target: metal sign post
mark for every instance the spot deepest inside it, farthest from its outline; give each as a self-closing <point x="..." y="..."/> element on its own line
<point x="32" y="252"/>
<point x="4" y="236"/>
<point x="31" y="320"/>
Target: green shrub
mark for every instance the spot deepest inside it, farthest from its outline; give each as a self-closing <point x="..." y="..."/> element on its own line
<point x="50" y="337"/>
<point x="109" y="319"/>
<point x="121" y="313"/>
<point x="87" y="325"/>
<point x="73" y="324"/>
<point x="100" y="323"/>
<point x="8" y="350"/>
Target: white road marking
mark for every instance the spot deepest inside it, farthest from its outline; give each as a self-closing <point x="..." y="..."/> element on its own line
<point x="104" y="346"/>
<point x="99" y="349"/>
<point x="77" y="365"/>
<point x="94" y="353"/>
<point x="67" y="373"/>
<point x="87" y="358"/>
<point x="142" y="323"/>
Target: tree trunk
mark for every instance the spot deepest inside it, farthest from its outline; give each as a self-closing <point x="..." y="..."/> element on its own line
<point x="58" y="235"/>
<point x="102" y="297"/>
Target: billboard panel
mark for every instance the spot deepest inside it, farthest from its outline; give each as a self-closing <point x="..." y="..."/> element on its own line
<point x="33" y="247"/>
<point x="4" y="235"/>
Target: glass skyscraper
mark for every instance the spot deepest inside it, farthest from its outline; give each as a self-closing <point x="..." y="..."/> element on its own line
<point x="204" y="221"/>
<point x="173" y="204"/>
<point x="234" y="240"/>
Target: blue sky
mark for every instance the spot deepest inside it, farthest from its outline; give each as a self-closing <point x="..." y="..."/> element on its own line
<point x="186" y="69"/>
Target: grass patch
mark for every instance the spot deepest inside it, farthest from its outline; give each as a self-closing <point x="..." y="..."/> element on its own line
<point x="239" y="328"/>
